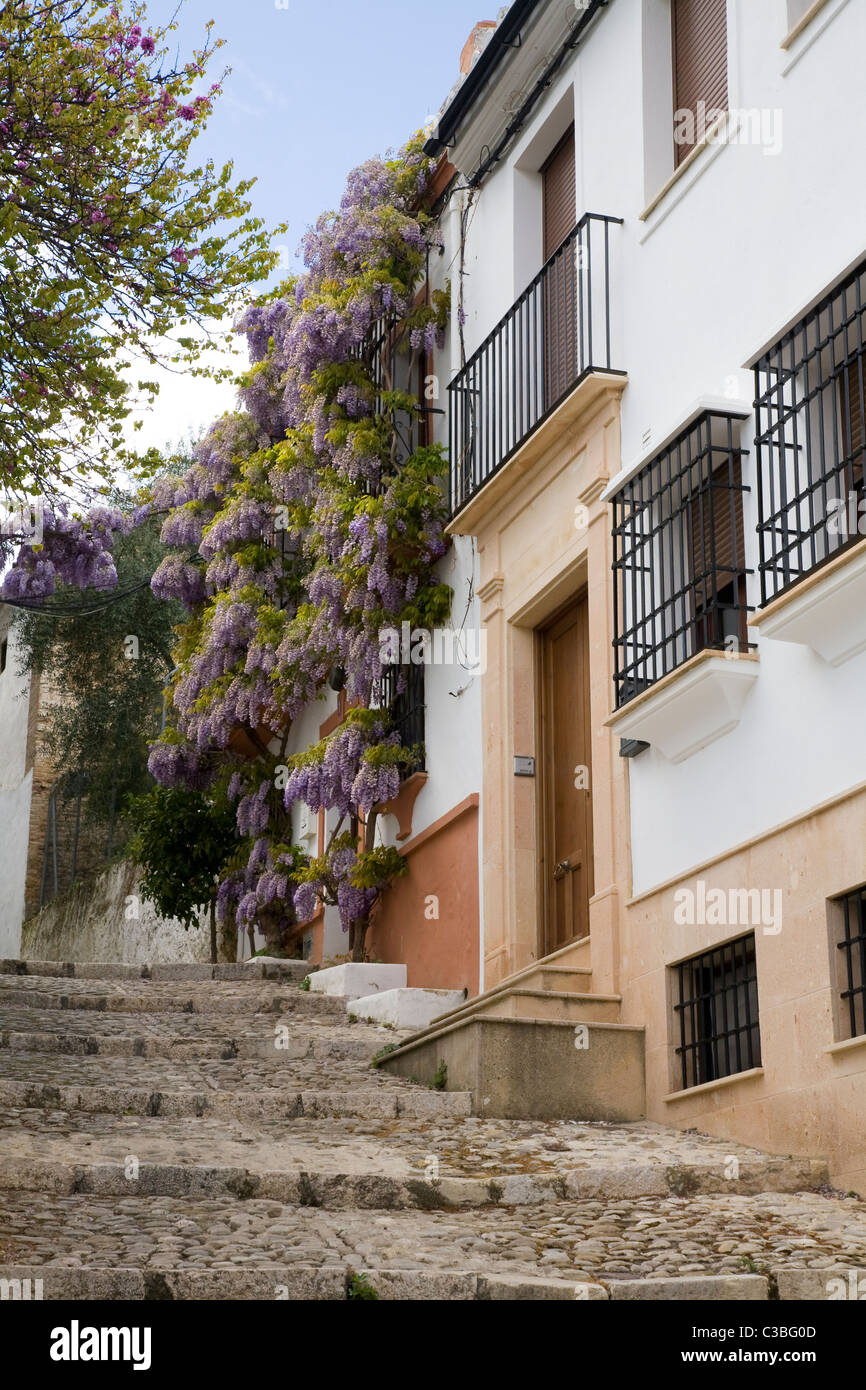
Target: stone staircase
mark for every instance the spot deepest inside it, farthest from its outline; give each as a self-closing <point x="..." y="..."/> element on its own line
<point x="541" y="1044"/>
<point x="187" y="1132"/>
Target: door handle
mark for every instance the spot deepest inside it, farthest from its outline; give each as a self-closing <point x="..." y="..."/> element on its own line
<point x="561" y="869"/>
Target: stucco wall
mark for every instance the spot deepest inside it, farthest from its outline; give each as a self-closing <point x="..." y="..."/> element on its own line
<point x="429" y="918"/>
<point x="109" y="921"/>
<point x="15" y="793"/>
<point x="739" y="246"/>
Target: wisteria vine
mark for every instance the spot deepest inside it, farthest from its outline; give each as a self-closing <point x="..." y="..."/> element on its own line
<point x="306" y="525"/>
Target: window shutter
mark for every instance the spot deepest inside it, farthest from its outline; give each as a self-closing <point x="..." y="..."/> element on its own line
<point x="717" y="527"/>
<point x="700" y="60"/>
<point x="560" y="201"/>
<point x="852" y="411"/>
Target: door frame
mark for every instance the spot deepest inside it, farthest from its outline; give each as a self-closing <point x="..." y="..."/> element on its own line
<point x="543" y="826"/>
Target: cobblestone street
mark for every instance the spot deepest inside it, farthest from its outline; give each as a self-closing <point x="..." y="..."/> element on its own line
<point x="197" y="1138"/>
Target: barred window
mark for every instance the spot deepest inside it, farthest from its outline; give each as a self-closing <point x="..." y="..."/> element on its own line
<point x="716" y="1012"/>
<point x="848" y="943"/>
<point x="679" y="556"/>
<point x="401" y="692"/>
<point x="810" y="442"/>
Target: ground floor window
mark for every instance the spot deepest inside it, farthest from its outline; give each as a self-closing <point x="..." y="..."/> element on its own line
<point x="848" y="937"/>
<point x="716" y="1012"/>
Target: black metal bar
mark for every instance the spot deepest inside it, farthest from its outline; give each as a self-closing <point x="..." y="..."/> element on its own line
<point x="680" y="594"/>
<point x="714" y="1043"/>
<point x="808" y="445"/>
<point x="539" y="348"/>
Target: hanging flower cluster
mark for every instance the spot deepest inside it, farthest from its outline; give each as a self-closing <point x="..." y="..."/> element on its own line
<point x="307" y="525"/>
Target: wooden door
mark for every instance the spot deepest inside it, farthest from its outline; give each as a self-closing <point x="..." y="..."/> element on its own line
<point x="566" y="779"/>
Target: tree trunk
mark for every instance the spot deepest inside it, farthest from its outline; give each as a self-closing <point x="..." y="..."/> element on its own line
<point x="213" y="930"/>
<point x="358" y="935"/>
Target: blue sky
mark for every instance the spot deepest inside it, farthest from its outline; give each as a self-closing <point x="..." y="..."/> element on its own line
<point x="321" y="85"/>
<point x="315" y="89"/>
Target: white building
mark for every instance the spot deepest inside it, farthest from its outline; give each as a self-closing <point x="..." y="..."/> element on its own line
<point x="654" y="210"/>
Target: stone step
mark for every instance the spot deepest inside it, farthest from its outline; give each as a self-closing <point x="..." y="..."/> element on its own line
<point x="570" y="963"/>
<point x="285" y="1103"/>
<point x="269" y="969"/>
<point x="298" y="1045"/>
<point x="559" y="1006"/>
<point x="546" y="1068"/>
<point x="561" y="979"/>
<point x="405" y="1151"/>
<point x="231" y="998"/>
<point x="128" y="1086"/>
<point x="334" y="1283"/>
<point x="277" y="1071"/>
<point x="716" y="1246"/>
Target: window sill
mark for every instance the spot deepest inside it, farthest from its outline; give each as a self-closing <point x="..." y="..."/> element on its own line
<point x="694" y="705"/>
<point x="709" y="142"/>
<point x="403" y="804"/>
<point x="751" y="1075"/>
<point x="841" y="1049"/>
<point x="806" y="31"/>
<point x="825" y="611"/>
<point x="803" y="22"/>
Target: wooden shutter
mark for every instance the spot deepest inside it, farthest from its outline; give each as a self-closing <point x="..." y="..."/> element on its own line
<point x="718" y="558"/>
<point x="852" y="409"/>
<point x="700" y="59"/>
<point x="560" y="286"/>
<point x="560" y="203"/>
<point x="715" y="541"/>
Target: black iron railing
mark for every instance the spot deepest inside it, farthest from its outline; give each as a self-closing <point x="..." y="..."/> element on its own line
<point x="853" y="948"/>
<point x="392" y="364"/>
<point x="558" y="331"/>
<point x="401" y="692"/>
<point x="679" y="556"/>
<point x="811" y="407"/>
<point x="716" y="1006"/>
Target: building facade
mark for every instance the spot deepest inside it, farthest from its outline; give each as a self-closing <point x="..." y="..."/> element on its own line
<point x="656" y="405"/>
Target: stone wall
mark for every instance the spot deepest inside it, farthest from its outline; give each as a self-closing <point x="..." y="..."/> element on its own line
<point x="97" y="921"/>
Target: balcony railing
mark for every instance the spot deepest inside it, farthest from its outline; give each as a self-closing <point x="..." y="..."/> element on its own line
<point x="811" y="444"/>
<point x="679" y="556"/>
<point x="558" y="331"/>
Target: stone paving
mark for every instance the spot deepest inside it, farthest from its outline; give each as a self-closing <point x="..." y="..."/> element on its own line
<point x="227" y="1137"/>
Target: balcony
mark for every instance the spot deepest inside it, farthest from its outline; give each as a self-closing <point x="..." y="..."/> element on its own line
<point x="683" y="663"/>
<point x="811" y="448"/>
<point x="557" y="333"/>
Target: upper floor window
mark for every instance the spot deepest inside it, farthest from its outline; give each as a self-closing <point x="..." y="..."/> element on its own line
<point x="700" y="69"/>
<point x="811" y="406"/>
<point x="679" y="556"/>
<point x="559" y="307"/>
<point x="401" y="691"/>
<point x="559" y="198"/>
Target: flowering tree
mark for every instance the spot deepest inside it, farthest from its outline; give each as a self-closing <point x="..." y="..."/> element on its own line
<point x="309" y="522"/>
<point x="109" y="238"/>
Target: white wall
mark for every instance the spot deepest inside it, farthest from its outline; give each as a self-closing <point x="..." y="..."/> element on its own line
<point x="15" y="788"/>
<point x="736" y="250"/>
<point x="108" y="920"/>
